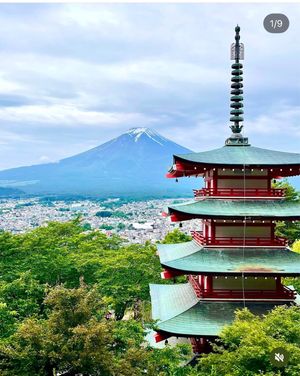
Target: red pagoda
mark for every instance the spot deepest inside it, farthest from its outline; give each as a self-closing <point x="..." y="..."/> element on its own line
<point x="235" y="260"/>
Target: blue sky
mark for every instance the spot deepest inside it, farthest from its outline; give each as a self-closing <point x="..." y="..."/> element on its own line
<point x="73" y="76"/>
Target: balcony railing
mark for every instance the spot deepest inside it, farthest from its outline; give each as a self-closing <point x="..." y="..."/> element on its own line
<point x="283" y="293"/>
<point x="239" y="192"/>
<point x="236" y="241"/>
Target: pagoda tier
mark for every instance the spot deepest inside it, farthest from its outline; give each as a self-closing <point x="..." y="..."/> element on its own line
<point x="274" y="163"/>
<point x="235" y="259"/>
<point x="234" y="209"/>
<point x="191" y="258"/>
<point x="181" y="313"/>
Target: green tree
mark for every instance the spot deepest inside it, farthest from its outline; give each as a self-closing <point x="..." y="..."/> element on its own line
<point x="121" y="226"/>
<point x="295" y="282"/>
<point x="8" y="321"/>
<point x="106" y="227"/>
<point x="24" y="295"/>
<point x="288" y="229"/>
<point x="125" y="275"/>
<point x="87" y="227"/>
<point x="75" y="338"/>
<point x="104" y="213"/>
<point x="176" y="236"/>
<point x="57" y="253"/>
<point x="64" y="253"/>
<point x="245" y="346"/>
<point x="296" y="246"/>
<point x="290" y="192"/>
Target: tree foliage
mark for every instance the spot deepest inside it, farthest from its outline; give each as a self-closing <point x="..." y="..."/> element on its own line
<point x="296" y="246"/>
<point x="64" y="253"/>
<point x="176" y="236"/>
<point x="58" y="283"/>
<point x="75" y="338"/>
<point x="245" y="346"/>
<point x="288" y="229"/>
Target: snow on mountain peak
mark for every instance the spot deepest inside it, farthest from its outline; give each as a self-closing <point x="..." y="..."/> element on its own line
<point x="136" y="133"/>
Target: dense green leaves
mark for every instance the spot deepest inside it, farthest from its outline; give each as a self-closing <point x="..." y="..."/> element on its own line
<point x="124" y="278"/>
<point x="64" y="253"/>
<point x="24" y="295"/>
<point x="245" y="346"/>
<point x="75" y="338"/>
<point x="290" y="192"/>
<point x="288" y="229"/>
<point x="176" y="236"/>
<point x="57" y="285"/>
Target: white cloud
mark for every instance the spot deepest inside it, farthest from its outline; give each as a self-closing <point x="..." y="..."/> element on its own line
<point x="67" y="115"/>
<point x="44" y="159"/>
<point x="281" y="120"/>
<point x="10" y="86"/>
<point x="95" y="70"/>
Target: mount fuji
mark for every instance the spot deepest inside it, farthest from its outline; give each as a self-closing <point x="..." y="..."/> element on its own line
<point x="133" y="164"/>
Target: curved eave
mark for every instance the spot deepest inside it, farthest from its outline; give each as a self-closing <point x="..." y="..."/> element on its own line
<point x="231" y="209"/>
<point x="179" y="216"/>
<point x="182" y="271"/>
<point x="174" y="174"/>
<point x="282" y="163"/>
<point x="240" y="155"/>
<point x="186" y="168"/>
<point x="180" y="313"/>
<point x="207" y="319"/>
<point x="191" y="258"/>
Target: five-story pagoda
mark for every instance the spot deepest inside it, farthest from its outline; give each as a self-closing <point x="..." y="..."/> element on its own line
<point x="235" y="260"/>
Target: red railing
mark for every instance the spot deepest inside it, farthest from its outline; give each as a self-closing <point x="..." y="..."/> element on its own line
<point x="239" y="192"/>
<point x="283" y="293"/>
<point x="195" y="285"/>
<point x="238" y="241"/>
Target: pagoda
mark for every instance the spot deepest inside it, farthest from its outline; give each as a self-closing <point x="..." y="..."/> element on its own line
<point x="234" y="260"/>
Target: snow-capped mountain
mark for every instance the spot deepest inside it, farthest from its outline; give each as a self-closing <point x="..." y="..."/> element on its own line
<point x="135" y="163"/>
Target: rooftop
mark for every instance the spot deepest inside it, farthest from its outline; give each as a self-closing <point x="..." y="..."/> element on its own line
<point x="242" y="155"/>
<point x="191" y="258"/>
<point x="181" y="313"/>
<point x="210" y="208"/>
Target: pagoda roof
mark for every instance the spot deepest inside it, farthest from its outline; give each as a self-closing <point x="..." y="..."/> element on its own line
<point x="242" y="155"/>
<point x="210" y="208"/>
<point x="189" y="257"/>
<point x="179" y="312"/>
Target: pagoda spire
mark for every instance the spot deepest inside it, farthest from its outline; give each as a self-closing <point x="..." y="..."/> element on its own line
<point x="237" y="54"/>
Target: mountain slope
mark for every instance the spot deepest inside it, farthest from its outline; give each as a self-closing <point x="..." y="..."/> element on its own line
<point x="134" y="163"/>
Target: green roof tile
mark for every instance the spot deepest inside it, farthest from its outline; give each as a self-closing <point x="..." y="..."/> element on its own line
<point x="171" y="300"/>
<point x="202" y="318"/>
<point x="169" y="252"/>
<point x="240" y="155"/>
<point x="190" y="257"/>
<point x="208" y="318"/>
<point x="210" y="208"/>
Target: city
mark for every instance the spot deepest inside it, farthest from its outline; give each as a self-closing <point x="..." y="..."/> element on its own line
<point x="136" y="221"/>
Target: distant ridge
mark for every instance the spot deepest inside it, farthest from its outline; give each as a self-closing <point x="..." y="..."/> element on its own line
<point x="133" y="164"/>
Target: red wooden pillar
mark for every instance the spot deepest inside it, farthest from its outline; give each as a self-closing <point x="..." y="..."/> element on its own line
<point x="269" y="180"/>
<point x="201" y="281"/>
<point x="272" y="231"/>
<point x="207" y="180"/>
<point x="278" y="284"/>
<point x="215" y="181"/>
<point x="213" y="231"/>
<point x="200" y="345"/>
<point x="209" y="284"/>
